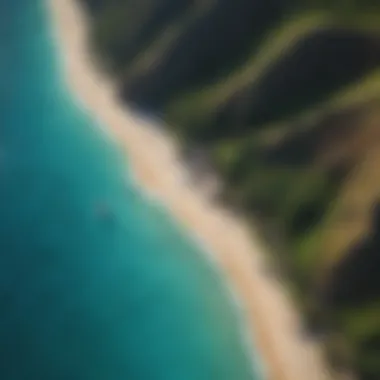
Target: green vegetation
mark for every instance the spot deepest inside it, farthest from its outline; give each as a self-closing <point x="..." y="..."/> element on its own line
<point x="284" y="95"/>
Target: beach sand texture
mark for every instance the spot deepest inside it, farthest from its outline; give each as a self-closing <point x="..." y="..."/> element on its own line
<point x="270" y="318"/>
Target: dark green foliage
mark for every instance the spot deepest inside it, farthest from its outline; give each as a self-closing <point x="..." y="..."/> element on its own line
<point x="360" y="266"/>
<point x="316" y="67"/>
<point x="368" y="358"/>
<point x="124" y="27"/>
<point x="207" y="49"/>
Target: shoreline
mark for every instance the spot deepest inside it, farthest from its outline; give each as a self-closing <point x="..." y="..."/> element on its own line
<point x="269" y="322"/>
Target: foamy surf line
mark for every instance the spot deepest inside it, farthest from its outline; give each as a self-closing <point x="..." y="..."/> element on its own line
<point x="153" y="197"/>
<point x="248" y="340"/>
<point x="238" y="306"/>
<point x="246" y="331"/>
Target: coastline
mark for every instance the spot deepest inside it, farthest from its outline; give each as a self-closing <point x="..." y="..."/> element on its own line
<point x="268" y="315"/>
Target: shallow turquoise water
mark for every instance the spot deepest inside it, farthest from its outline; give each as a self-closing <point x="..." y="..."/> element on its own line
<point x="81" y="297"/>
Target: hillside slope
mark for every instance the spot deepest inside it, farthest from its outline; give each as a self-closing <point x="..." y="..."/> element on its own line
<point x="284" y="97"/>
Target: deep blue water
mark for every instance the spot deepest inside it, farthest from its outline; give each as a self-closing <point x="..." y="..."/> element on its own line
<point x="83" y="298"/>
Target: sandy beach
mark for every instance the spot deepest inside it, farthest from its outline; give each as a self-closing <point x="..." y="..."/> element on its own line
<point x="271" y="321"/>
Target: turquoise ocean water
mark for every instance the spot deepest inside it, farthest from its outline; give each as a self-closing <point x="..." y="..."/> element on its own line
<point x="81" y="297"/>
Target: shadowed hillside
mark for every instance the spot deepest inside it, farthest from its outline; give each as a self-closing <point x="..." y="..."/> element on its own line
<point x="283" y="96"/>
